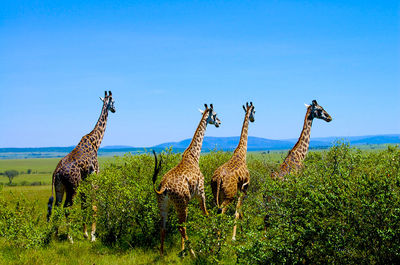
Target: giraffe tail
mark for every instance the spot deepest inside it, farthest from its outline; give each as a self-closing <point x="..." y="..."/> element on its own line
<point x="157" y="168"/>
<point x="51" y="199"/>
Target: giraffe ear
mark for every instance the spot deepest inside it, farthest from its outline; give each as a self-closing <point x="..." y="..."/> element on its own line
<point x="201" y="111"/>
<point x="102" y="99"/>
<point x="306" y="105"/>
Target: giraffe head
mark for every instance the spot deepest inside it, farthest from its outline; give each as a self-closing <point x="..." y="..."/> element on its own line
<point x="212" y="115"/>
<point x="250" y="108"/>
<point x="318" y="112"/>
<point x="108" y="101"/>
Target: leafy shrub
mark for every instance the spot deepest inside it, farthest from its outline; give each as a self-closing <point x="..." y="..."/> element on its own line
<point x="21" y="224"/>
<point x="127" y="208"/>
<point x="342" y="207"/>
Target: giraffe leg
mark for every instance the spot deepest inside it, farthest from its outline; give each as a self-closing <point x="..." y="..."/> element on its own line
<point x="163" y="207"/>
<point x="68" y="203"/>
<point x="60" y="189"/>
<point x="182" y="217"/>
<point x="84" y="207"/>
<point x="202" y="196"/>
<point x="202" y="201"/>
<point x="94" y="207"/>
<point x="237" y="214"/>
<point x="93" y="233"/>
<point x="224" y="205"/>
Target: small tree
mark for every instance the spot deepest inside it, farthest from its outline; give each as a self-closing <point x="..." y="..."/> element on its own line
<point x="11" y="174"/>
<point x="29" y="171"/>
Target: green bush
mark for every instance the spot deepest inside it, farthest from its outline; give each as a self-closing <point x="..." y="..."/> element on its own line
<point x="342" y="208"/>
<point x="22" y="225"/>
<point x="127" y="208"/>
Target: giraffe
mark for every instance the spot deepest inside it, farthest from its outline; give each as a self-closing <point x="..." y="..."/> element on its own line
<point x="79" y="163"/>
<point x="185" y="181"/>
<point x="294" y="160"/>
<point x="233" y="176"/>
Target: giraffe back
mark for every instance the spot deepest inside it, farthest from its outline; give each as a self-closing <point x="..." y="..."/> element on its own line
<point x="230" y="176"/>
<point x="79" y="163"/>
<point x="184" y="180"/>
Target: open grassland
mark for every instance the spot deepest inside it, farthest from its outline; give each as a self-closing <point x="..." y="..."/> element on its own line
<point x="343" y="207"/>
<point x="41" y="170"/>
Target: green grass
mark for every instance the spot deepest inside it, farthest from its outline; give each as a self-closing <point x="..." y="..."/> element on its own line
<point x="41" y="168"/>
<point x="85" y="252"/>
<point x="39" y="165"/>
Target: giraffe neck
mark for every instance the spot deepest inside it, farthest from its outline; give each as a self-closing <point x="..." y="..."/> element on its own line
<point x="301" y="147"/>
<point x="194" y="149"/>
<point x="96" y="135"/>
<point x="242" y="146"/>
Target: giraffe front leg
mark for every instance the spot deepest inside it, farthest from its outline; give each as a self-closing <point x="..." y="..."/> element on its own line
<point x="95" y="164"/>
<point x="202" y="196"/>
<point x="94" y="207"/>
<point x="84" y="207"/>
<point x="93" y="233"/>
<point x="237" y="215"/>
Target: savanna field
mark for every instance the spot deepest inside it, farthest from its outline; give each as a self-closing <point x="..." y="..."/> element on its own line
<point x="343" y="208"/>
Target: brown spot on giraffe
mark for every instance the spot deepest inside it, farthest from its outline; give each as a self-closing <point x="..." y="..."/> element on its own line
<point x="79" y="163"/>
<point x="233" y="176"/>
<point x="185" y="181"/>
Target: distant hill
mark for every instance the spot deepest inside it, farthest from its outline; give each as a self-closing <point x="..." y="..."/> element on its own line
<point x="209" y="143"/>
<point x="230" y="143"/>
<point x="258" y="143"/>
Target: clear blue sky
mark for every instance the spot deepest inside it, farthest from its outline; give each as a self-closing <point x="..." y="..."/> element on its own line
<point x="164" y="59"/>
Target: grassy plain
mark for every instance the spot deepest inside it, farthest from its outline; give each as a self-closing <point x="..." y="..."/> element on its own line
<point x="41" y="170"/>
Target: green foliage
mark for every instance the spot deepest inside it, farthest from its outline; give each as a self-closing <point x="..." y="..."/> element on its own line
<point x="21" y="224"/>
<point x="124" y="195"/>
<point x="342" y="207"/>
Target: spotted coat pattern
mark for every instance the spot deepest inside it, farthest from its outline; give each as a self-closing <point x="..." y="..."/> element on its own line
<point x="184" y="182"/>
<point x="233" y="176"/>
<point x="294" y="160"/>
<point x="80" y="162"/>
